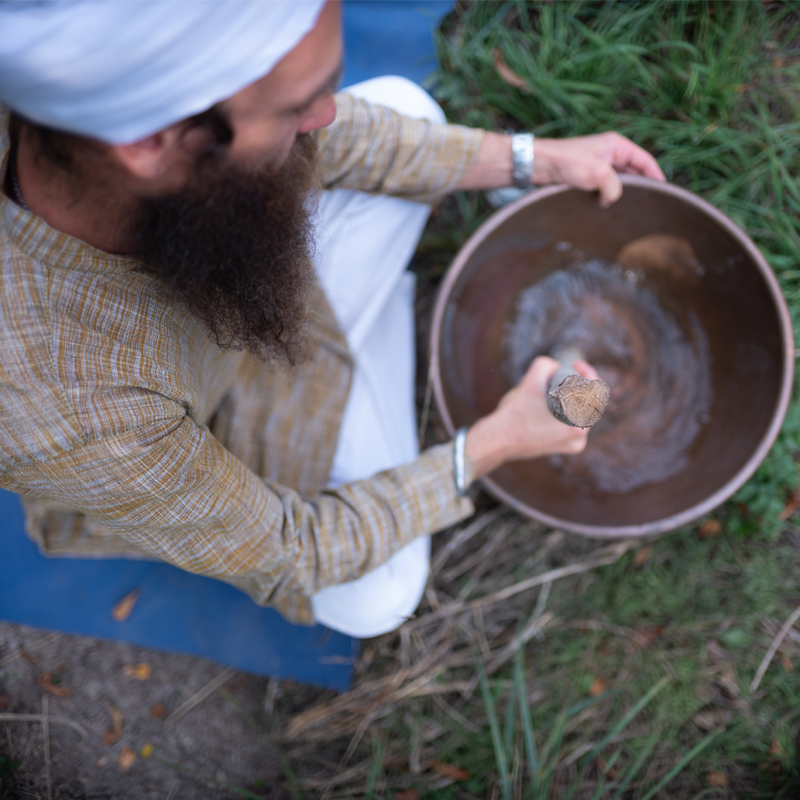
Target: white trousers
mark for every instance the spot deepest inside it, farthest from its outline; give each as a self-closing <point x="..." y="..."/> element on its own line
<point x="364" y="244"/>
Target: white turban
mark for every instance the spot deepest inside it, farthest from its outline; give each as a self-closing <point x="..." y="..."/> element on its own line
<point x="119" y="71"/>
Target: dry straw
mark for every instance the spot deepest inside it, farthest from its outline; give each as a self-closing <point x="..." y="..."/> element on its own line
<point x="476" y="608"/>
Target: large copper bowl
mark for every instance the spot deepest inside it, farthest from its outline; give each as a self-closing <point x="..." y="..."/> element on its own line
<point x="738" y="301"/>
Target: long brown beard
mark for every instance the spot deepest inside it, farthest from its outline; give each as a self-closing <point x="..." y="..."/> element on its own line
<point x="235" y="248"/>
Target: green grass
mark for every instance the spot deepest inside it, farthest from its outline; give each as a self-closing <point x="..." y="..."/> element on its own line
<point x="701" y="604"/>
<point x="711" y="88"/>
<point x="639" y="689"/>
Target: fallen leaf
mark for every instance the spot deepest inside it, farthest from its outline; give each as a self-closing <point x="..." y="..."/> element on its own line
<point x="642" y="556"/>
<point x="709" y="529"/>
<point x="651" y="634"/>
<point x="717" y="779"/>
<point x="126" y="758"/>
<point x="147" y="750"/>
<point x="158" y="711"/>
<point x="124" y="608"/>
<point x="786" y="662"/>
<point x="727" y="681"/>
<point x="711" y="719"/>
<point x="5" y="701"/>
<point x="508" y="74"/>
<point x="776" y="749"/>
<point x="47" y="684"/>
<point x="27" y="657"/>
<point x="598" y="687"/>
<point x="140" y="671"/>
<point x="602" y="765"/>
<point x="449" y="770"/>
<point x="772" y="766"/>
<point x="777" y="63"/>
<point x="406" y="794"/>
<point x="718" y="656"/>
<point x="791" y="506"/>
<point x="114" y="733"/>
<point x="741" y="88"/>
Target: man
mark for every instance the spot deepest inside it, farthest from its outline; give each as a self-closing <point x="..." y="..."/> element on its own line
<point x="181" y="377"/>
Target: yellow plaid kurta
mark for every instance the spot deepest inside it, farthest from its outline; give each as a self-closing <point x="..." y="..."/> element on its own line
<point x="128" y="432"/>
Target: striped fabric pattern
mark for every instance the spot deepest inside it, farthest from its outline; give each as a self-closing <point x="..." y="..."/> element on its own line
<point x="129" y="432"/>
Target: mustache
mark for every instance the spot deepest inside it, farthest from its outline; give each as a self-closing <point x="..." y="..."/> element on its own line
<point x="235" y="247"/>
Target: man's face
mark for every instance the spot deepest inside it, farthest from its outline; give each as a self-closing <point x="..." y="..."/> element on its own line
<point x="296" y="97"/>
<point x="233" y="238"/>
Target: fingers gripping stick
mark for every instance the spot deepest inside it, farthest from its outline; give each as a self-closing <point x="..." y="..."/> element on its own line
<point x="573" y="399"/>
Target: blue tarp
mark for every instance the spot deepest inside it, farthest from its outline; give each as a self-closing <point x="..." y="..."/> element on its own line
<point x="178" y="611"/>
<point x="174" y="611"/>
<point x="382" y="37"/>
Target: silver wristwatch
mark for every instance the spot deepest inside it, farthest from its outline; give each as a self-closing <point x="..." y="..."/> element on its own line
<point x="522" y="159"/>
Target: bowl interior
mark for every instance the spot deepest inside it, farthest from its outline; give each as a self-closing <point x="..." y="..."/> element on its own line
<point x="734" y="297"/>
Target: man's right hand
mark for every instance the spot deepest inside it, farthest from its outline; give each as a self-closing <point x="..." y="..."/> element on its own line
<point x="522" y="426"/>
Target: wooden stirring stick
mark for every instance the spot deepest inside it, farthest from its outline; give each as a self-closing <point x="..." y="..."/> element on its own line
<point x="571" y="398"/>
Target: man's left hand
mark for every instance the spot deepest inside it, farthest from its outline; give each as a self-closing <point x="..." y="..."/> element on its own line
<point x="592" y="163"/>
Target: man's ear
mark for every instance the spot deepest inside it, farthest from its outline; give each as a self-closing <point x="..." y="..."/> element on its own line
<point x="149" y="158"/>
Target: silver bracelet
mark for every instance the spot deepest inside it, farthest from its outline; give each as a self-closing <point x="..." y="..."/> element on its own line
<point x="522" y="159"/>
<point x="460" y="462"/>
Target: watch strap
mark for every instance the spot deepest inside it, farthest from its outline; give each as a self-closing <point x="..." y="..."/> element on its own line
<point x="522" y="159"/>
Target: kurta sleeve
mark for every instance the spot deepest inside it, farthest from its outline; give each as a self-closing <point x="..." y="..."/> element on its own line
<point x="173" y="490"/>
<point x="375" y="149"/>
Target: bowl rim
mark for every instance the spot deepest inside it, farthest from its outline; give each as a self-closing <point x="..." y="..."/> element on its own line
<point x="767" y="440"/>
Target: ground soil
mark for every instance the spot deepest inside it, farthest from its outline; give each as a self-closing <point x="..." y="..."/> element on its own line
<point x="215" y="740"/>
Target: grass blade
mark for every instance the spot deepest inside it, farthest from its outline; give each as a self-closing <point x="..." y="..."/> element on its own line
<point x="623" y="723"/>
<point x="525" y="713"/>
<point x="682" y="764"/>
<point x="494" y="727"/>
<point x="553" y="743"/>
<point x="633" y="771"/>
<point x="294" y="785"/>
<point x="376" y="768"/>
